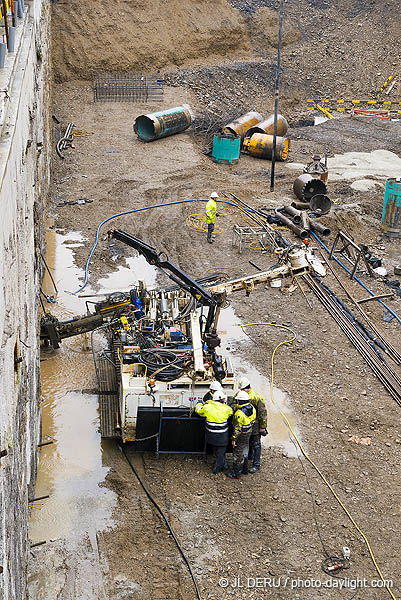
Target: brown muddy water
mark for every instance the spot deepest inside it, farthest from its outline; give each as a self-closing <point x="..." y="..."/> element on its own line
<point x="72" y="470"/>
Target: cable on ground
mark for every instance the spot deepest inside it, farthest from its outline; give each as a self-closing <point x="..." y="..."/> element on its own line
<point x="197" y="222"/>
<point x="356" y="278"/>
<point x="289" y="341"/>
<point x="135" y="210"/>
<point x="163" y="516"/>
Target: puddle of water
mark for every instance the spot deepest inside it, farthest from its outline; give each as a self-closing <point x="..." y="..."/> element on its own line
<point x="127" y="276"/>
<point x="60" y="260"/>
<point x="232" y="336"/>
<point x="357" y="165"/>
<point x="70" y="470"/>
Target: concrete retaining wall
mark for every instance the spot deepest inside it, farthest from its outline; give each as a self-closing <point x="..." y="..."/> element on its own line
<point x="24" y="177"/>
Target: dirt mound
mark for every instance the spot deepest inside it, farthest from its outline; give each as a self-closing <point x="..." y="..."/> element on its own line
<point x="142" y="36"/>
<point x="264" y="26"/>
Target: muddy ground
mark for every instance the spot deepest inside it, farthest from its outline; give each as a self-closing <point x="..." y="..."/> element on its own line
<point x="265" y="524"/>
<point x="262" y="525"/>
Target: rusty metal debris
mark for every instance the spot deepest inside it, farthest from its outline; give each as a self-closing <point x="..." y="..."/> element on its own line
<point x="299" y="222"/>
<point x="354" y="253"/>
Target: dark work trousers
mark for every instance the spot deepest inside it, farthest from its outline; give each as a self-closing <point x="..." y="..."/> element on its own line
<point x="240" y="454"/>
<point x="210" y="229"/>
<point x="255" y="450"/>
<point x="220" y="452"/>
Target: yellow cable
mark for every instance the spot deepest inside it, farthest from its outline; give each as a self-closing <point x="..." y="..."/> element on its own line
<point x="197" y="222"/>
<point x="309" y="459"/>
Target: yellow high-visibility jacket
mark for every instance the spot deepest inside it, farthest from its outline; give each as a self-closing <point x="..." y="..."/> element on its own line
<point x="214" y="411"/>
<point x="258" y="402"/>
<point x="211" y="210"/>
<point x="217" y="415"/>
<point x="243" y="419"/>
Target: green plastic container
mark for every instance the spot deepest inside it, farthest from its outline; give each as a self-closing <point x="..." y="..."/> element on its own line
<point x="226" y="148"/>
<point x="391" y="216"/>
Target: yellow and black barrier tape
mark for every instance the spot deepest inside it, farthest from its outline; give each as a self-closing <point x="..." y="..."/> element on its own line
<point x="388" y="80"/>
<point x="343" y="101"/>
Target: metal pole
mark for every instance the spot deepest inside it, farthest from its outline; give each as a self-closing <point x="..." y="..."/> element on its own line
<point x="13" y="13"/>
<point x="280" y="29"/>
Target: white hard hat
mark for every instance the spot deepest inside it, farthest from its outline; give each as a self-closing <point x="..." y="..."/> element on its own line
<point x="244" y="383"/>
<point x="214" y="195"/>
<point x="219" y="396"/>
<point x="214" y="386"/>
<point x="242" y="397"/>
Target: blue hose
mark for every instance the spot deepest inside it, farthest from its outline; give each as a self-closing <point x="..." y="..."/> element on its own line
<point x="356" y="279"/>
<point x="128" y="212"/>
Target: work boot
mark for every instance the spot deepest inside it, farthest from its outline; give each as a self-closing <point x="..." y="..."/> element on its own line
<point x="253" y="469"/>
<point x="233" y="476"/>
<point x="216" y="470"/>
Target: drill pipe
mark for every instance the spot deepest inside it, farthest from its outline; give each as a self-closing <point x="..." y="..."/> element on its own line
<point x="302" y="233"/>
<point x="305" y="221"/>
<point x="301" y="205"/>
<point x="315" y="226"/>
<point x="296" y="214"/>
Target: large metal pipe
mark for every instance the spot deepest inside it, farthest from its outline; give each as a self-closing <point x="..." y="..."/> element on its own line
<point x="261" y="146"/>
<point x="302" y="233"/>
<point x="315" y="226"/>
<point x="306" y="186"/>
<point x="163" y="123"/>
<point x="267" y="126"/>
<point x="241" y="125"/>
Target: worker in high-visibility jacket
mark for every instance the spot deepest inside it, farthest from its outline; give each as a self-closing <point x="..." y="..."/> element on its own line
<point x="243" y="419"/>
<point x="260" y="425"/>
<point x="211" y="214"/>
<point x="217" y="414"/>
<point x="213" y="387"/>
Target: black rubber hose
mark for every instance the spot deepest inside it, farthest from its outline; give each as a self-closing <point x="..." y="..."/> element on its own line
<point x="165" y="365"/>
<point x="163" y="516"/>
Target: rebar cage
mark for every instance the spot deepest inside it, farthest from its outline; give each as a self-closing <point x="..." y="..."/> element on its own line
<point x="127" y="87"/>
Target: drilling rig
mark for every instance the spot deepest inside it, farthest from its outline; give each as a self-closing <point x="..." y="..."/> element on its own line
<point x="159" y="349"/>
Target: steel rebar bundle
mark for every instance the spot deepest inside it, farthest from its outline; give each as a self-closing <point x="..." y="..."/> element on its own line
<point x="127" y="87"/>
<point x="387" y="376"/>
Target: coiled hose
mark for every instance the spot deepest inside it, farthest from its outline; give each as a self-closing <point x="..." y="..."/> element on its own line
<point x="162" y="364"/>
